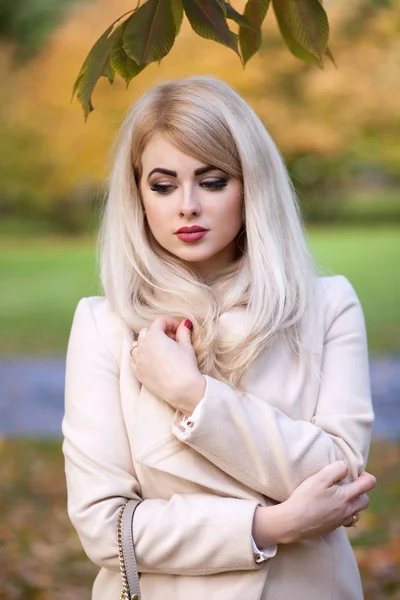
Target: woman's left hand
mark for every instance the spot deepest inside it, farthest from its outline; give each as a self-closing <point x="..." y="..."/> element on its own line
<point x="164" y="361"/>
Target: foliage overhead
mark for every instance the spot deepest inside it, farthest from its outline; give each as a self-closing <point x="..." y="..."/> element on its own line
<point x="149" y="32"/>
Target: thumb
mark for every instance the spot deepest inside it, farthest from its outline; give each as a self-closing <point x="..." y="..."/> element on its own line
<point x="334" y="472"/>
<point x="183" y="333"/>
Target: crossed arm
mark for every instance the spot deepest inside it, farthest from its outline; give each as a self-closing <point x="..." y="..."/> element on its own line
<point x="260" y="446"/>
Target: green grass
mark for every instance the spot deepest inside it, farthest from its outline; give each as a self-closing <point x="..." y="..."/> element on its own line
<point x="370" y="259"/>
<point x="42" y="279"/>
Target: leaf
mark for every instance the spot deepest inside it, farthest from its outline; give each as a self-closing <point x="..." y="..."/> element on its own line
<point x="304" y="27"/>
<point x="208" y="20"/>
<point x="120" y="61"/>
<point x="177" y="11"/>
<point x="150" y="32"/>
<point x="291" y="43"/>
<point x="330" y="56"/>
<point x="255" y="12"/>
<point x="95" y="65"/>
<point x="108" y="71"/>
<point x="234" y="15"/>
<point x="223" y="4"/>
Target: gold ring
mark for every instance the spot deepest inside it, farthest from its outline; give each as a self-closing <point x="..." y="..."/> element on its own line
<point x="133" y="347"/>
<point x="355" y="519"/>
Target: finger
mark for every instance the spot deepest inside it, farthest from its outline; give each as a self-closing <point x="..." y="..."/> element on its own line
<point x="364" y="483"/>
<point x="183" y="333"/>
<point x="366" y="473"/>
<point x="165" y="325"/>
<point x="142" y="334"/>
<point x="360" y="503"/>
<point x="352" y="522"/>
<point x="333" y="472"/>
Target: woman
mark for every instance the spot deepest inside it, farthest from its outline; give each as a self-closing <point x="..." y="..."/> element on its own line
<point x="219" y="379"/>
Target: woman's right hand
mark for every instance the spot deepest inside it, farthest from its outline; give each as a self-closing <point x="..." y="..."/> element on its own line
<point x="321" y="504"/>
<point x="317" y="506"/>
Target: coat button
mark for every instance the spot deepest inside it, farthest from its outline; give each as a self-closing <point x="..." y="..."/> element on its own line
<point x="257" y="556"/>
<point x="135" y="597"/>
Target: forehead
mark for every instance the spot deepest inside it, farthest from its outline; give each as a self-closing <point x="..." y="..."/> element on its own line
<point x="160" y="152"/>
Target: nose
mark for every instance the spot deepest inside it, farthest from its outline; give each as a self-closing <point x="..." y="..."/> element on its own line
<point x="188" y="204"/>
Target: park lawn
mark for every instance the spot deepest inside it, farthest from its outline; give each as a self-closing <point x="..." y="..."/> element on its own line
<point x="41" y="557"/>
<point x="370" y="259"/>
<point x="42" y="279"/>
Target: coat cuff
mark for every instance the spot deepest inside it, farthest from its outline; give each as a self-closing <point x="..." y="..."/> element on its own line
<point x="183" y="426"/>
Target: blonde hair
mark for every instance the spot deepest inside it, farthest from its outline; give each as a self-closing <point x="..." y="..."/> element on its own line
<point x="271" y="282"/>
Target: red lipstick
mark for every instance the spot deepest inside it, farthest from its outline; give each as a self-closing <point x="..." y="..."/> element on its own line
<point x="191" y="234"/>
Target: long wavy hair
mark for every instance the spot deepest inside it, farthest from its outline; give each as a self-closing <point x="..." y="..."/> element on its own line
<point x="272" y="281"/>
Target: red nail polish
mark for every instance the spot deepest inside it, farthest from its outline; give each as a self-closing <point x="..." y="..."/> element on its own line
<point x="188" y="324"/>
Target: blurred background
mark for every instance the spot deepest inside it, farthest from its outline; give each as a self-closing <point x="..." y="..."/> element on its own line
<point x="338" y="130"/>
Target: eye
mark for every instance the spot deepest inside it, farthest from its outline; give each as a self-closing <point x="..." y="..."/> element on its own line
<point x="161" y="188"/>
<point x="214" y="184"/>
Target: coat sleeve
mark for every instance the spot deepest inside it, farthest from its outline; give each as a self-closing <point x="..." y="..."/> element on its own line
<point x="190" y="533"/>
<point x="262" y="447"/>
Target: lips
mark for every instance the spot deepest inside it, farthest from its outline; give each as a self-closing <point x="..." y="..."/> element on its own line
<point x="192" y="229"/>
<point x="193" y="235"/>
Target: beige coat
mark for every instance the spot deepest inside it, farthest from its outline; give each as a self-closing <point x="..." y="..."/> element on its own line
<point x="193" y="530"/>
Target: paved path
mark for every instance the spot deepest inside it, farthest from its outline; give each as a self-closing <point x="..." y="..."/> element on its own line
<point x="31" y="396"/>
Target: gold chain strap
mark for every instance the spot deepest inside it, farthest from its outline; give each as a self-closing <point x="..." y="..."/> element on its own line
<point x="125" y="590"/>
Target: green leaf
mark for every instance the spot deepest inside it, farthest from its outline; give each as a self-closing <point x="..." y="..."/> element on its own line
<point x="95" y="65"/>
<point x="120" y="61"/>
<point x="234" y="15"/>
<point x="108" y="71"/>
<point x="223" y="4"/>
<point x="304" y="27"/>
<point x="208" y="20"/>
<point x="177" y="10"/>
<point x="150" y="32"/>
<point x="291" y="43"/>
<point x="255" y="12"/>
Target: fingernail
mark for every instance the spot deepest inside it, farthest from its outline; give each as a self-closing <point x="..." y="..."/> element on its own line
<point x="188" y="324"/>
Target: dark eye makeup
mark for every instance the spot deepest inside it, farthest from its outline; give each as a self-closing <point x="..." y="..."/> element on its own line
<point x="214" y="184"/>
<point x="161" y="188"/>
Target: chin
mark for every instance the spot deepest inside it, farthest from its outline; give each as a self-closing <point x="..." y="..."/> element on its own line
<point x="195" y="257"/>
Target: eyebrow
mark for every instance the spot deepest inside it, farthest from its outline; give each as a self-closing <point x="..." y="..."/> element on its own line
<point x="199" y="171"/>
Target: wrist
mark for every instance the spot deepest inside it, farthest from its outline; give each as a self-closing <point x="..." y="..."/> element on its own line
<point x="190" y="397"/>
<point x="274" y="525"/>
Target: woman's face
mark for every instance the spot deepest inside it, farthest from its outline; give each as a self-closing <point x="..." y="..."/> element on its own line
<point x="179" y="191"/>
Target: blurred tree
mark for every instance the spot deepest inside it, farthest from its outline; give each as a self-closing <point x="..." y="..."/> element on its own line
<point x="27" y="23"/>
<point x="337" y="128"/>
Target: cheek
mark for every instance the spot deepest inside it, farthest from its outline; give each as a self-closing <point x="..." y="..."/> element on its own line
<point x="157" y="221"/>
<point x="230" y="214"/>
<point x="157" y="217"/>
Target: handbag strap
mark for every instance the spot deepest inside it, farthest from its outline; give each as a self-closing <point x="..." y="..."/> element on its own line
<point x="126" y="551"/>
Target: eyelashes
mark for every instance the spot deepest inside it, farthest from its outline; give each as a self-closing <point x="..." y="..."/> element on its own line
<point x="161" y="189"/>
<point x="214" y="185"/>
